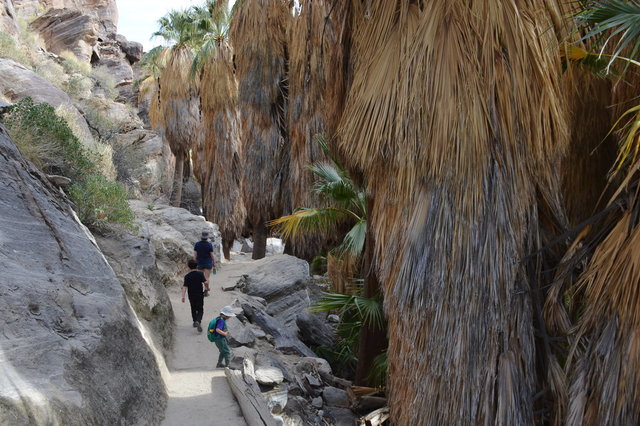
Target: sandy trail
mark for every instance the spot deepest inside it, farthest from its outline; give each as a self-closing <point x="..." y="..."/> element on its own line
<point x="199" y="394"/>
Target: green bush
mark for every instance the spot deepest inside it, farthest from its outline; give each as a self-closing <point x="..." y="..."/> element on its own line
<point x="46" y="140"/>
<point x="100" y="201"/>
<point x="106" y="81"/>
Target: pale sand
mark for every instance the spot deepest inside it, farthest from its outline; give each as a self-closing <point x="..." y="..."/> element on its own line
<point x="199" y="394"/>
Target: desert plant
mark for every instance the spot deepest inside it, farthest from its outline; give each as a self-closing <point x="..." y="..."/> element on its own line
<point x="100" y="202"/>
<point x="105" y="81"/>
<point x="12" y="50"/>
<point x="72" y="64"/>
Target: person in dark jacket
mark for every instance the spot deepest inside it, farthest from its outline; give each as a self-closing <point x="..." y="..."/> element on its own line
<point x="203" y="254"/>
<point x="193" y="283"/>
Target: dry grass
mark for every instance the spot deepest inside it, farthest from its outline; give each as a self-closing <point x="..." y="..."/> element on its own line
<point x="457" y="118"/>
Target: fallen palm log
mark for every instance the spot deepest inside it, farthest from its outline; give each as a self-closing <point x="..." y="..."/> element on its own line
<point x="252" y="404"/>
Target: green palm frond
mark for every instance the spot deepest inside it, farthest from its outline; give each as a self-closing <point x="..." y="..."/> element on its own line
<point x="318" y="220"/>
<point x="333" y="183"/>
<point x="354" y="240"/>
<point x="352" y="308"/>
<point x="618" y="19"/>
<point x="378" y="374"/>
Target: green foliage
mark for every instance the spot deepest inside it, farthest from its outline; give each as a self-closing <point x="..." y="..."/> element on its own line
<point x="72" y="64"/>
<point x="45" y="138"/>
<point x="354" y="312"/>
<point x="100" y="201"/>
<point x="378" y="374"/>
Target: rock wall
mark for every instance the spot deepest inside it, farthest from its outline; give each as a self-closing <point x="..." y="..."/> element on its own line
<point x="104" y="11"/>
<point x="71" y="350"/>
<point x="8" y="21"/>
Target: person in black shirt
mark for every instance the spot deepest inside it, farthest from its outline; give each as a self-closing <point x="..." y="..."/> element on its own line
<point x="193" y="282"/>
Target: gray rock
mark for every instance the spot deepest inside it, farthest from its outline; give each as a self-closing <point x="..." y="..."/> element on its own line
<point x="68" y="29"/>
<point x="268" y="376"/>
<point x="313" y="380"/>
<point x="173" y="232"/>
<point x="8" y="21"/>
<point x="340" y="416"/>
<point x="317" y="402"/>
<point x="67" y="326"/>
<point x="109" y="54"/>
<point x="276" y="276"/>
<point x="335" y="397"/>
<point x="239" y="335"/>
<point x="132" y="50"/>
<point x="132" y="258"/>
<point x="333" y="318"/>
<point x="61" y="181"/>
<point x="239" y="355"/>
<point x="18" y="82"/>
<point x="315" y="330"/>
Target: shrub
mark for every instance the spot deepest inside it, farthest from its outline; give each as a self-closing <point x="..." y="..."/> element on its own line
<point x="12" y="50"/>
<point x="45" y="139"/>
<point x="78" y="86"/>
<point x="72" y="64"/>
<point x="100" y="201"/>
<point x="52" y="72"/>
<point x="105" y="81"/>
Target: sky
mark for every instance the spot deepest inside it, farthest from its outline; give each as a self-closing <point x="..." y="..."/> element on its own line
<point x="138" y="19"/>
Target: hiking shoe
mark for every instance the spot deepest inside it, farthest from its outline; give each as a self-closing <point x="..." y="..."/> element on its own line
<point x="195" y="324"/>
<point x="199" y="328"/>
<point x="219" y="366"/>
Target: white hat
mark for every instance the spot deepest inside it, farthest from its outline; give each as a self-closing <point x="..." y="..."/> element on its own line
<point x="228" y="311"/>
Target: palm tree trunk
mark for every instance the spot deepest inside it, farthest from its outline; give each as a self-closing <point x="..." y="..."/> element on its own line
<point x="226" y="248"/>
<point x="178" y="179"/>
<point x="259" y="240"/>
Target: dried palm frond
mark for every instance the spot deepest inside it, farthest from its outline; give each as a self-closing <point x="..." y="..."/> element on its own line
<point x="457" y="120"/>
<point x="220" y="160"/>
<point x="258" y="34"/>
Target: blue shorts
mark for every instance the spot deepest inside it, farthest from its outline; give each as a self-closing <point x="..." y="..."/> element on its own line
<point x="205" y="265"/>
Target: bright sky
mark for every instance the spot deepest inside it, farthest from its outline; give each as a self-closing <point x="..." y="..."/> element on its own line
<point x="139" y="18"/>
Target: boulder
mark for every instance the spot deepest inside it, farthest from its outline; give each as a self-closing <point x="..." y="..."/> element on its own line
<point x="340" y="416"/>
<point x="8" y="21"/>
<point x="173" y="232"/>
<point x="335" y="397"/>
<point x="132" y="258"/>
<point x="239" y="335"/>
<point x="239" y="355"/>
<point x="268" y="376"/>
<point x="18" y="82"/>
<point x="72" y="351"/>
<point x="109" y="55"/>
<point x="276" y="276"/>
<point x="315" y="330"/>
<point x="133" y="51"/>
<point x="68" y="29"/>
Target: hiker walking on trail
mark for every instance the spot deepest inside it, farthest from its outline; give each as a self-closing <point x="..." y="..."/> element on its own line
<point x="203" y="254"/>
<point x="218" y="333"/>
<point x="193" y="282"/>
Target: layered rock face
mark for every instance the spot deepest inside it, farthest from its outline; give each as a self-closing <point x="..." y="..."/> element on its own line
<point x="71" y="350"/>
<point x="68" y="29"/>
<point x="104" y="11"/>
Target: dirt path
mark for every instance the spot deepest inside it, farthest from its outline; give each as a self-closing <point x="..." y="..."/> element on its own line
<point x="199" y="394"/>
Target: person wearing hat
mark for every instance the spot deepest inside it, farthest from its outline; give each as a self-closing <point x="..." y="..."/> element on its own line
<point x="218" y="333"/>
<point x="203" y="254"/>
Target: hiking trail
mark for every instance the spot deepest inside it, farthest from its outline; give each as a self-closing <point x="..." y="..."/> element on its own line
<point x="199" y="394"/>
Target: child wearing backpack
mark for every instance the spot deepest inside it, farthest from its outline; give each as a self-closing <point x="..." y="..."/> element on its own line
<point x="217" y="333"/>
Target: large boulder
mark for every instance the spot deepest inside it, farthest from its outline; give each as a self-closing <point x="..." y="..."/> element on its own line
<point x="8" y="21"/>
<point x="173" y="231"/>
<point x="133" y="51"/>
<point x="273" y="277"/>
<point x="133" y="259"/>
<point x="105" y="12"/>
<point x="68" y="29"/>
<point x="18" y="82"/>
<point x="72" y="352"/>
<point x="109" y="54"/>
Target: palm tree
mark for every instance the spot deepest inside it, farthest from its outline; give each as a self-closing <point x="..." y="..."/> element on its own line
<point x="456" y="120"/>
<point x="258" y="34"/>
<point x="177" y="112"/>
<point x="219" y="158"/>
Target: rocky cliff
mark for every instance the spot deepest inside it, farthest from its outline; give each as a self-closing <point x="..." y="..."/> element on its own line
<point x="71" y="351"/>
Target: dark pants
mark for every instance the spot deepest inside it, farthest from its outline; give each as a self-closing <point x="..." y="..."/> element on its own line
<point x="225" y="353"/>
<point x="197" y="306"/>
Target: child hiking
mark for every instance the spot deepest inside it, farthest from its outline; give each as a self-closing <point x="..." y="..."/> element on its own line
<point x="193" y="282"/>
<point x="217" y="333"/>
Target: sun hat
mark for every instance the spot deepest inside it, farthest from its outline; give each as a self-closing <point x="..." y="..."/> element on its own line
<point x="205" y="235"/>
<point x="228" y="311"/>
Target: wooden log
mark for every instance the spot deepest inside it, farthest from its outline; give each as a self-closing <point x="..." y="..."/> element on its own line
<point x="252" y="404"/>
<point x="375" y="418"/>
<point x="367" y="404"/>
